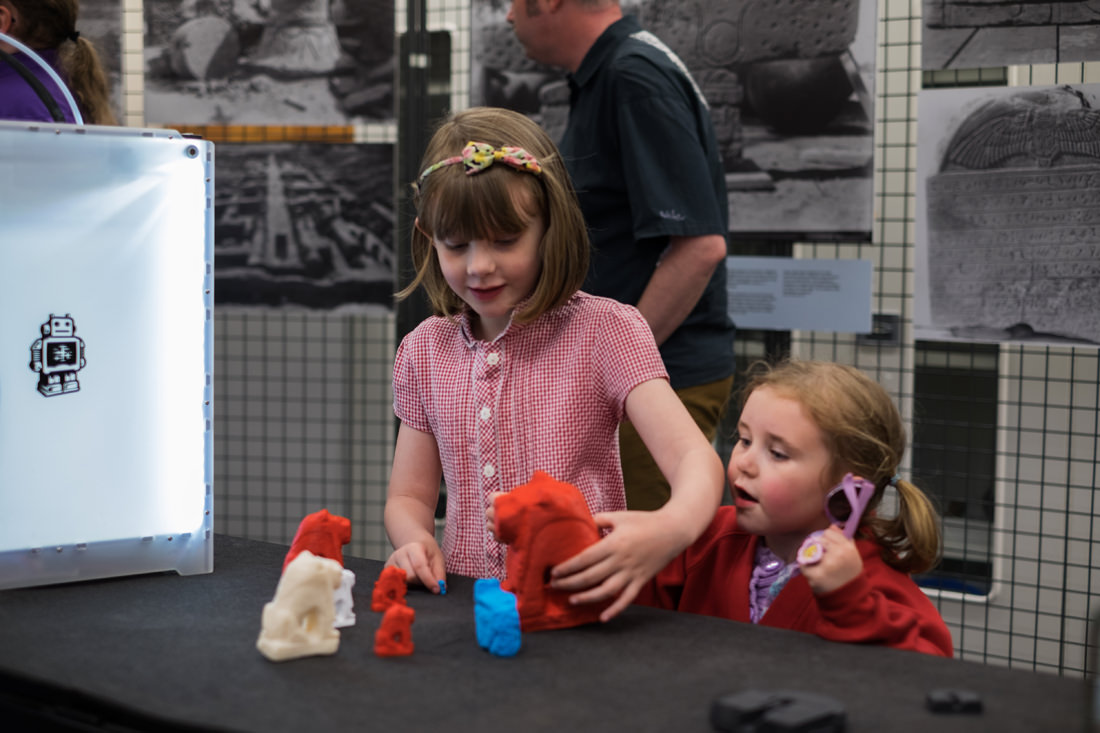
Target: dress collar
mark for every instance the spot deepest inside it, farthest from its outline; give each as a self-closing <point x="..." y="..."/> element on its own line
<point x="466" y="327"/>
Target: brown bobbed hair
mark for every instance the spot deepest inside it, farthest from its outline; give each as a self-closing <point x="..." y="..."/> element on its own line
<point x="498" y="201"/>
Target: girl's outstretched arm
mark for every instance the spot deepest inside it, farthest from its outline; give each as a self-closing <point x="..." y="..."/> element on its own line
<point x="641" y="543"/>
<point x="410" y="508"/>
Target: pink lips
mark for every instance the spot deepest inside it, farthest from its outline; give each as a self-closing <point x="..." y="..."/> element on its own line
<point x="487" y="293"/>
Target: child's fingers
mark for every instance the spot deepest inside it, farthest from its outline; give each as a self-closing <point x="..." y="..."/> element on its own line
<point x="426" y="573"/>
<point x="604" y="520"/>
<point x="617" y="588"/>
<point x="604" y="589"/>
<point x="581" y="570"/>
<point x="418" y="567"/>
<point x="597" y="552"/>
<point x="439" y="571"/>
<point x="839" y="564"/>
<point x="625" y="599"/>
<point x="490" y="514"/>
<point x="590" y="584"/>
<point x="491" y="504"/>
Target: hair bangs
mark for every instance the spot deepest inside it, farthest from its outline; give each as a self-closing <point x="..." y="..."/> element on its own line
<point x="463" y="208"/>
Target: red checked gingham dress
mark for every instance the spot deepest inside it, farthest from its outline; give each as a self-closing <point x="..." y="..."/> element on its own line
<point x="547" y="395"/>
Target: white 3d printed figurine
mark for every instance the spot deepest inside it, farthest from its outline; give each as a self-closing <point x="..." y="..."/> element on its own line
<point x="344" y="606"/>
<point x="299" y="620"/>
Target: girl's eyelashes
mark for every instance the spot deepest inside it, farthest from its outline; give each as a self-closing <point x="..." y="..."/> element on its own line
<point x="744" y="442"/>
<point x="504" y="241"/>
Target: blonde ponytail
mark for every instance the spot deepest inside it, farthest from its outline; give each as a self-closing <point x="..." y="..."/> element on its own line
<point x="911" y="539"/>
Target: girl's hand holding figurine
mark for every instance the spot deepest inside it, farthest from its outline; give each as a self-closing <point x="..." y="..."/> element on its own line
<point x="637" y="547"/>
<point x="639" y="544"/>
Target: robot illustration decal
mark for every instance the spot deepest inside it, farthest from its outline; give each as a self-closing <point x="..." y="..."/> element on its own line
<point x="58" y="356"/>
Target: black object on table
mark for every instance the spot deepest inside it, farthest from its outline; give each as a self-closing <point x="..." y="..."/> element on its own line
<point x="170" y="653"/>
<point x="777" y="711"/>
<point x="953" y="701"/>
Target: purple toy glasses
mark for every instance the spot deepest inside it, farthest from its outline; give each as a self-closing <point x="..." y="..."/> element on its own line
<point x="844" y="505"/>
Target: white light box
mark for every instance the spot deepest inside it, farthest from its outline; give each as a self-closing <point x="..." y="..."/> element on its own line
<point x="106" y="353"/>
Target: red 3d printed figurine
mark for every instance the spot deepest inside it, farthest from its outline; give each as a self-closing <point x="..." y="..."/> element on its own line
<point x="394" y="635"/>
<point x="544" y="522"/>
<point x="323" y="534"/>
<point x="389" y="589"/>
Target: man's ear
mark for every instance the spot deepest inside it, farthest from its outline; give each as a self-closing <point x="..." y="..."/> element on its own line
<point x="6" y="19"/>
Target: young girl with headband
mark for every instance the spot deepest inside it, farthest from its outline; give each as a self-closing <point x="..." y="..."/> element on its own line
<point x="519" y="372"/>
<point x="802" y="548"/>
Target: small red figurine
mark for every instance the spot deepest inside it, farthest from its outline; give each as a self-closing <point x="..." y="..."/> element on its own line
<point x="544" y="522"/>
<point x="323" y="534"/>
<point x="394" y="636"/>
<point x="389" y="589"/>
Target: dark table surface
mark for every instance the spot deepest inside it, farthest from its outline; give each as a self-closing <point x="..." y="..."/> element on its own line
<point x="166" y="652"/>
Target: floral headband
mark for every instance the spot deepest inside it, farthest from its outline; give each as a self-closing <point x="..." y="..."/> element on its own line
<point x="477" y="157"/>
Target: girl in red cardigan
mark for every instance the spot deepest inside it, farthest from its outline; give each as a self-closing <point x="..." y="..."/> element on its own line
<point x="803" y="426"/>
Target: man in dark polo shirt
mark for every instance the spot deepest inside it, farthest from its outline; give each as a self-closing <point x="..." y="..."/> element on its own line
<point x="641" y="151"/>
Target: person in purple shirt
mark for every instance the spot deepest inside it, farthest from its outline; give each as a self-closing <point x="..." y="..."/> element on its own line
<point x="48" y="27"/>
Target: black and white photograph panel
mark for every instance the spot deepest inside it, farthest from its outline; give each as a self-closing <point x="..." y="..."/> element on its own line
<point x="976" y="34"/>
<point x="269" y="62"/>
<point x="804" y="165"/>
<point x="304" y="224"/>
<point x="100" y="21"/>
<point x="1008" y="215"/>
<point x="790" y="85"/>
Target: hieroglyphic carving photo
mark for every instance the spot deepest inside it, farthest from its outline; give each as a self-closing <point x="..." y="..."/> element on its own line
<point x="1008" y="215"/>
<point x="975" y="34"/>
<point x="293" y="62"/>
<point x="100" y="21"/>
<point x="304" y="224"/>
<point x="790" y="84"/>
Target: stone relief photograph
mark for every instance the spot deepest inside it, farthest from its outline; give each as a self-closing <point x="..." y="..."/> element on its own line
<point x="304" y="224"/>
<point x="269" y="62"/>
<point x="970" y="34"/>
<point x="1008" y="215"/>
<point x="100" y="21"/>
<point x="790" y="86"/>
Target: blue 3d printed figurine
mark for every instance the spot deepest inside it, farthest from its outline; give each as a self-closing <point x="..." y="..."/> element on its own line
<point x="496" y="617"/>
